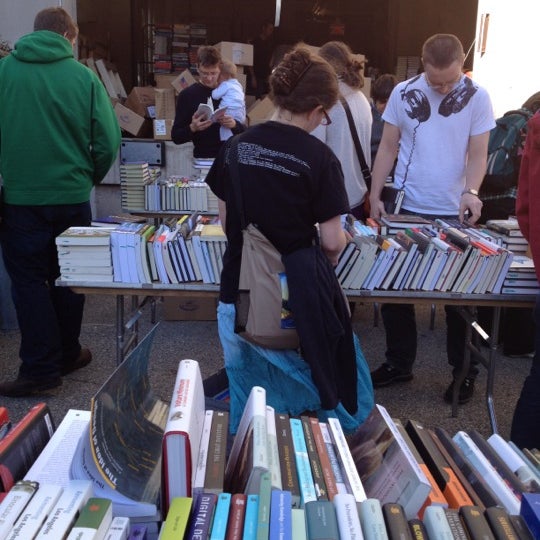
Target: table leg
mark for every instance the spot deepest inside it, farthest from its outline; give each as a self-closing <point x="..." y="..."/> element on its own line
<point x="119" y="329"/>
<point x="491" y="367"/>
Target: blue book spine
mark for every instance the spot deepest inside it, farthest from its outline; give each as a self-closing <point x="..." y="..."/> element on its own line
<point x="307" y="486"/>
<point x="281" y="515"/>
<point x="221" y="517"/>
<point x="250" y="521"/>
<point x="202" y="515"/>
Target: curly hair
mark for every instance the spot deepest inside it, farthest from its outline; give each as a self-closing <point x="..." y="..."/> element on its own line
<point x="302" y="81"/>
<point x="347" y="67"/>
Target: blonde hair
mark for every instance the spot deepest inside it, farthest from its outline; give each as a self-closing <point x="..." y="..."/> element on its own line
<point x="226" y="67"/>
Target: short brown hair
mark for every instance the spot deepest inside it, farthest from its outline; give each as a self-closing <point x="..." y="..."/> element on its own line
<point x="441" y="50"/>
<point x="57" y="19"/>
<point x="208" y="55"/>
<point x="382" y="87"/>
<point x="302" y="81"/>
<point x="347" y="67"/>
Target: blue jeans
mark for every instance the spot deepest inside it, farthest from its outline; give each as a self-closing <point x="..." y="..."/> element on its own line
<point x="49" y="317"/>
<point x="525" y="431"/>
<point x="8" y="317"/>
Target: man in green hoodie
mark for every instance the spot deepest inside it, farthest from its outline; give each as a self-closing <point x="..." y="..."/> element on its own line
<point x="58" y="138"/>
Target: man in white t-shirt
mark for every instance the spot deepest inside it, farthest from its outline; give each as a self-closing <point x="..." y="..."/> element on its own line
<point x="437" y="124"/>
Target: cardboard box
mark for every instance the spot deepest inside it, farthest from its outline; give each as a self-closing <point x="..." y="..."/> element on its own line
<point x="129" y="121"/>
<point x="164" y="80"/>
<point x="139" y="99"/>
<point x="260" y="111"/>
<point x="237" y="53"/>
<point x="165" y="103"/>
<point x="242" y="79"/>
<point x="163" y="128"/>
<point x="183" y="80"/>
<point x="195" y="307"/>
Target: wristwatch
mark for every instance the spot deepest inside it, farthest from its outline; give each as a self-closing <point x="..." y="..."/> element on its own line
<point x="471" y="191"/>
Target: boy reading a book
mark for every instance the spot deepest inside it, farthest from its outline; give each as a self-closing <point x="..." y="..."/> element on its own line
<point x="231" y="94"/>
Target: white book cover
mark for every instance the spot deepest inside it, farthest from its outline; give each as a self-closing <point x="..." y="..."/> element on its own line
<point x="437" y="524"/>
<point x="36" y="511"/>
<point x="244" y="455"/>
<point x="14" y="503"/>
<point x="489" y="473"/>
<point x="65" y="511"/>
<point x="372" y="520"/>
<point x="182" y="434"/>
<point x="347" y="517"/>
<point x="119" y="529"/>
<point x="54" y="462"/>
<point x="351" y="476"/>
<point x="200" y="471"/>
<point x="273" y="452"/>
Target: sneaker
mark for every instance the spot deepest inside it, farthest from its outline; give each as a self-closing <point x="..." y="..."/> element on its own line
<point x="466" y="391"/>
<point x="84" y="358"/>
<point x="388" y="374"/>
<point x="22" y="387"/>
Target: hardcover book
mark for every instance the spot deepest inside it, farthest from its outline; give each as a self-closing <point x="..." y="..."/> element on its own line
<point x="321" y="521"/>
<point x="93" y="521"/>
<point x="217" y="450"/>
<point x="182" y="433"/>
<point x="235" y="524"/>
<point x="289" y="475"/>
<point x="386" y="465"/>
<point x="397" y="526"/>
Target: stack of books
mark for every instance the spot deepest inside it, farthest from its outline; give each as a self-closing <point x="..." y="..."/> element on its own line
<point x="521" y="277"/>
<point x="179" y="194"/>
<point x="84" y="254"/>
<point x="508" y="233"/>
<point x="133" y="178"/>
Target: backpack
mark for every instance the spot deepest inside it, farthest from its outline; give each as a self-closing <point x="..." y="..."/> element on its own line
<point x="505" y="146"/>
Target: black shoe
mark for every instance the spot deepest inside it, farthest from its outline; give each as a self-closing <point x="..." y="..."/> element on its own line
<point x="388" y="374"/>
<point x="84" y="358"/>
<point x="22" y="387"/>
<point x="466" y="391"/>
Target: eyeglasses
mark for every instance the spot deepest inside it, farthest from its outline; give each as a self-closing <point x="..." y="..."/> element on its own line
<point x="208" y="74"/>
<point x="326" y="120"/>
<point x="446" y="85"/>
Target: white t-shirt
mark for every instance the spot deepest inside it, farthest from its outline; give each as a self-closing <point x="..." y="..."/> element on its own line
<point x="434" y="136"/>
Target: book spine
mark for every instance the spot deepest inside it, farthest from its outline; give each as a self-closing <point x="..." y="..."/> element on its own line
<point x="235" y="524"/>
<point x="475" y="523"/>
<point x="263" y="513"/>
<point x="418" y="529"/>
<point x="350" y="473"/>
<point x="501" y="525"/>
<point x="397" y="526"/>
<point x="95" y="518"/>
<point x="326" y="466"/>
<point x="200" y="470"/>
<point x="221" y="516"/>
<point x="347" y="516"/>
<point x="217" y="448"/>
<point x="273" y="451"/>
<point x="321" y="520"/>
<point x="299" y="524"/>
<point x="314" y="460"/>
<point x="119" y="529"/>
<point x="307" y="487"/>
<point x="64" y="513"/>
<point x="436" y="524"/>
<point x="252" y="513"/>
<point x="281" y="515"/>
<point x="334" y="460"/>
<point x="176" y="522"/>
<point x="202" y="516"/>
<point x="456" y="525"/>
<point x="14" y="503"/>
<point x="372" y="519"/>
<point x="289" y="475"/>
<point x="35" y="512"/>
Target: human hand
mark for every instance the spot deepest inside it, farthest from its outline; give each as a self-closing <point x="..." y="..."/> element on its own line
<point x="199" y="122"/>
<point x="376" y="207"/>
<point x="470" y="208"/>
<point x="227" y="121"/>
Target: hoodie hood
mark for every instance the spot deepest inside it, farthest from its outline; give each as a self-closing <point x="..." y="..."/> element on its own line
<point x="42" y="47"/>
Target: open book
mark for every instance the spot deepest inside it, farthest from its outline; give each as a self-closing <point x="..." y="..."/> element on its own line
<point x="206" y="111"/>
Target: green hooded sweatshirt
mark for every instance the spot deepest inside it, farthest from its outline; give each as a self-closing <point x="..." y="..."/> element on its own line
<point x="58" y="131"/>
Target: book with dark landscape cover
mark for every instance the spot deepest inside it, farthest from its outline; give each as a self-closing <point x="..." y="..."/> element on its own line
<point x="182" y="434"/>
<point x="386" y="465"/>
<point x="442" y="472"/>
<point x="314" y="460"/>
<point x="475" y="523"/>
<point x="289" y="475"/>
<point x="23" y="444"/>
<point x="217" y="453"/>
<point x="248" y="458"/>
<point x="321" y="521"/>
<point x="202" y="514"/>
<point x="397" y="526"/>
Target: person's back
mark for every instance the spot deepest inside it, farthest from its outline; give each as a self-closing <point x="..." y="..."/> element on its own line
<point x="58" y="138"/>
<point x="381" y="89"/>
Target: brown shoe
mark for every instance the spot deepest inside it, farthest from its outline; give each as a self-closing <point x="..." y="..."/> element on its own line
<point x="22" y="387"/>
<point x="84" y="358"/>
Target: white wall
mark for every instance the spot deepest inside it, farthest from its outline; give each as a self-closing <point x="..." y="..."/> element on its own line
<point x="17" y="16"/>
<point x="509" y="66"/>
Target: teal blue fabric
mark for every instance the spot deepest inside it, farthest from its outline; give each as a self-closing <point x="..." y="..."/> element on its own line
<point x="285" y="377"/>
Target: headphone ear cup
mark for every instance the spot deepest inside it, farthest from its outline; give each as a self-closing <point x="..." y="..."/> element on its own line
<point x="458" y="98"/>
<point x="419" y="107"/>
